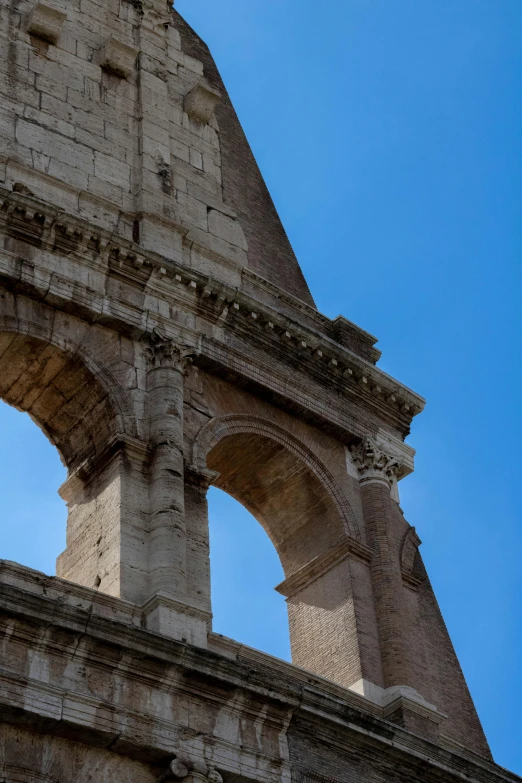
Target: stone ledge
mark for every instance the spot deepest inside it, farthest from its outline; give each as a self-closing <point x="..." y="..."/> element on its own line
<point x="201" y="102"/>
<point x="321" y="564"/>
<point x="332" y="713"/>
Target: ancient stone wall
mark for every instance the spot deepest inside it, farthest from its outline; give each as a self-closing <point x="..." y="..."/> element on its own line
<point x="155" y="324"/>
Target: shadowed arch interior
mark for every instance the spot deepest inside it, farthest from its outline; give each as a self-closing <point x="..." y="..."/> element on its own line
<point x="60" y="394"/>
<point x="283" y="494"/>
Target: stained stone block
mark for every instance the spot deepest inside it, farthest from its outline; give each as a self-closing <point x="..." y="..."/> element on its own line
<point x="46" y="23"/>
<point x="117" y="57"/>
<point x="201" y="102"/>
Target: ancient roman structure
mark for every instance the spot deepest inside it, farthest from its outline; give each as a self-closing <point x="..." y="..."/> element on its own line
<point x="155" y="324"/>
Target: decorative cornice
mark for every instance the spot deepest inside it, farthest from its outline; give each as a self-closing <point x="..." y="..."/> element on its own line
<point x="373" y="463"/>
<point x="319" y="355"/>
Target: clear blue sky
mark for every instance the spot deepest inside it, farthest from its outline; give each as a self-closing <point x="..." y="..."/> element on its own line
<point x="390" y="134"/>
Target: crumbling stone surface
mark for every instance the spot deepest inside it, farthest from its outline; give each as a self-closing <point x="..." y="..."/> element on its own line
<point x="155" y="324"/>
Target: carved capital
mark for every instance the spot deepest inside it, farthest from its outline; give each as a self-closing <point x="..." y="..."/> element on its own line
<point x="373" y="462"/>
<point x="182" y="767"/>
<point x="162" y="351"/>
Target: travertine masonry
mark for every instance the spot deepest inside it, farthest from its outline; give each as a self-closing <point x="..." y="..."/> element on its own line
<point x="154" y="322"/>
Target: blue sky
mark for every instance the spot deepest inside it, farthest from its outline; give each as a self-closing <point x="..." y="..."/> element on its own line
<point x="389" y="133"/>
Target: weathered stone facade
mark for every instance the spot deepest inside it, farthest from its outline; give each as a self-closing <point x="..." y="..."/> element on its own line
<point x="155" y="323"/>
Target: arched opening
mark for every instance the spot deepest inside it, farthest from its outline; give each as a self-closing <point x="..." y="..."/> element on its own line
<point x="281" y="492"/>
<point x="60" y="393"/>
<point x="244" y="568"/>
<point x="307" y="517"/>
<point x="33" y="516"/>
<point x="67" y="395"/>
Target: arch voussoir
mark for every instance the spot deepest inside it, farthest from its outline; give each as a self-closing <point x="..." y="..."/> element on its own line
<point x="233" y="424"/>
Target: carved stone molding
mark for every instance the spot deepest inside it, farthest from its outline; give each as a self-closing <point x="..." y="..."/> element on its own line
<point x="320" y="565"/>
<point x="32" y="220"/>
<point x="199" y="477"/>
<point x="16" y="774"/>
<point x="162" y="351"/>
<point x="373" y="463"/>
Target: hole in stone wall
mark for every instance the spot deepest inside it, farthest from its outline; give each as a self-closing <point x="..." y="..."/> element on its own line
<point x="32" y="514"/>
<point x="245" y="568"/>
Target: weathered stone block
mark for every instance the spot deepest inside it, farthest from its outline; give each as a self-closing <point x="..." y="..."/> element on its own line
<point x="117" y="57"/>
<point x="46" y="23"/>
<point x="226" y="228"/>
<point x="201" y="102"/>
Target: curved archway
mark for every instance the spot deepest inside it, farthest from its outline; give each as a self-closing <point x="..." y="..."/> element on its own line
<point x="48" y="372"/>
<point x="306" y="515"/>
<point x="243" y="425"/>
<point x="242" y="556"/>
<point x="63" y="388"/>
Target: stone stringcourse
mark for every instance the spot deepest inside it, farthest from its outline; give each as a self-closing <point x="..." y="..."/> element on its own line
<point x="155" y="323"/>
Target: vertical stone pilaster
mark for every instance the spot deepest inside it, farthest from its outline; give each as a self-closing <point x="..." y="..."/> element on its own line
<point x="401" y="702"/>
<point x="106" y="526"/>
<point x="169" y="609"/>
<point x="167" y="534"/>
<point x="154" y="202"/>
<point x="377" y="469"/>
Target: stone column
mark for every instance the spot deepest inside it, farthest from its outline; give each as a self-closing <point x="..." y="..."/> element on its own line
<point x="168" y="610"/>
<point x="154" y="203"/>
<point x="377" y="470"/>
<point x="167" y="555"/>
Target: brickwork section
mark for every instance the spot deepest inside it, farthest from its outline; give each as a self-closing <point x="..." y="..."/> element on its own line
<point x="270" y="253"/>
<point x="387" y="583"/>
<point x="442" y="676"/>
<point x="322" y="619"/>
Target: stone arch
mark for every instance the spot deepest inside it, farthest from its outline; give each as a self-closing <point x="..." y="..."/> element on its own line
<point x="49" y="369"/>
<point x="257" y="460"/>
<point x="74" y="399"/>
